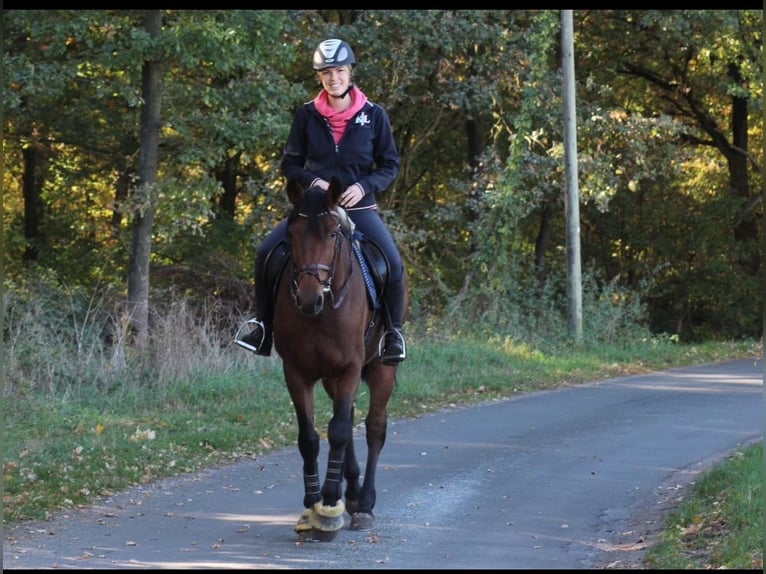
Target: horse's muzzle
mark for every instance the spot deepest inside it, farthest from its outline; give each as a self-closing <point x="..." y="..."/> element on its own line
<point x="311" y="304"/>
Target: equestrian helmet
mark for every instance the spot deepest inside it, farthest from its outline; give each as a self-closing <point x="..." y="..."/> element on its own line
<point x="333" y="53"/>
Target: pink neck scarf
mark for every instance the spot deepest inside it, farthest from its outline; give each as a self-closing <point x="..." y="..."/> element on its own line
<point x="339" y="120"/>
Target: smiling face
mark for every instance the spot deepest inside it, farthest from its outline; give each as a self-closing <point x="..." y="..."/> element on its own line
<point x="335" y="80"/>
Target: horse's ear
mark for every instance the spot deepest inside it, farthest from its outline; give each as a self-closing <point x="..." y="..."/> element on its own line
<point x="334" y="192"/>
<point x="294" y="191"/>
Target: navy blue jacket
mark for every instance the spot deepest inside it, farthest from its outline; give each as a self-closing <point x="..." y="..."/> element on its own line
<point x="366" y="154"/>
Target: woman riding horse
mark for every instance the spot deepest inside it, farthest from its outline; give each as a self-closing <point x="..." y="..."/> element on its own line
<point x="327" y="328"/>
<point x="340" y="134"/>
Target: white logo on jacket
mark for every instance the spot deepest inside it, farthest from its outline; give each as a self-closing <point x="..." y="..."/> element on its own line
<point x="362" y="119"/>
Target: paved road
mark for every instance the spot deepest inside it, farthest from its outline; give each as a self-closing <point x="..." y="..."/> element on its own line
<point x="552" y="480"/>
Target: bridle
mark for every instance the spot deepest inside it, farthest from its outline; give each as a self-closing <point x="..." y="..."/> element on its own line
<point x="314" y="269"/>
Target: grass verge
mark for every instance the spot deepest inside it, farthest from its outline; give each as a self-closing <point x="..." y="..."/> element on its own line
<point x="721" y="525"/>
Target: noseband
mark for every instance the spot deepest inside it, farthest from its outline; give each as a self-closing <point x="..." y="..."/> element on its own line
<point x="314" y="269"/>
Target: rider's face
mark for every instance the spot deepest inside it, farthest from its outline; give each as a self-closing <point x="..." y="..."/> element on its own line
<point x="335" y="80"/>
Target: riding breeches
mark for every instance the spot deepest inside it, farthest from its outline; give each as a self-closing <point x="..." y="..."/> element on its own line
<point x="370" y="223"/>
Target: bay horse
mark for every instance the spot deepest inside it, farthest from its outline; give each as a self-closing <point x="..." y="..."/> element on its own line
<point x="327" y="327"/>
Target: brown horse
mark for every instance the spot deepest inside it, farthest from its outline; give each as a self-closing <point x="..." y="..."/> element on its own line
<point x="327" y="328"/>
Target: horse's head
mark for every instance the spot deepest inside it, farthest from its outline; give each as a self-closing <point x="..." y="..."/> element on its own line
<point x="315" y="233"/>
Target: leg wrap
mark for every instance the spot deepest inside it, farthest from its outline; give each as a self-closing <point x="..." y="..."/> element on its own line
<point x="334" y="470"/>
<point x="311" y="483"/>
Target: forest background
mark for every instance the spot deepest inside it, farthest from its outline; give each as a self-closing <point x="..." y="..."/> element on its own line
<point x="669" y="107"/>
<point x="140" y="171"/>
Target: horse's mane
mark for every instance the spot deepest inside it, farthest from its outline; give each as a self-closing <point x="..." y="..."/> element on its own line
<point x="313" y="204"/>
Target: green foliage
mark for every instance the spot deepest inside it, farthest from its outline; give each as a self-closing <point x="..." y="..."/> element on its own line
<point x="475" y="101"/>
<point x="672" y="176"/>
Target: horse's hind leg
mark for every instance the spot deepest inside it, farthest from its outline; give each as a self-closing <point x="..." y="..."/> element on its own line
<point x="381" y="385"/>
<point x="351" y="473"/>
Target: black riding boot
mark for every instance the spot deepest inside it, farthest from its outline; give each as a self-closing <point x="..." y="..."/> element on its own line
<point x="255" y="334"/>
<point x="394" y="349"/>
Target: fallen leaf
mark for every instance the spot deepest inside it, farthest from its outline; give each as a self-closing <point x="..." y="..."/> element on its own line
<point x="692" y="529"/>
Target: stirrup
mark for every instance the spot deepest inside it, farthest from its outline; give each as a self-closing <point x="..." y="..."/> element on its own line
<point x="392" y="359"/>
<point x="251" y="345"/>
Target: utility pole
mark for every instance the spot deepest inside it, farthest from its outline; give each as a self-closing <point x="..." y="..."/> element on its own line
<point x="571" y="192"/>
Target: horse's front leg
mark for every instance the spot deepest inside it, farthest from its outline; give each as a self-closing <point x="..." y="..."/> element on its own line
<point x="339" y="435"/>
<point x="325" y="518"/>
<point x="308" y="445"/>
<point x="302" y="395"/>
<point x="316" y="522"/>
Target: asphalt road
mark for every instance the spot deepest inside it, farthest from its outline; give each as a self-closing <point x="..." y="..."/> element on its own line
<point x="566" y="479"/>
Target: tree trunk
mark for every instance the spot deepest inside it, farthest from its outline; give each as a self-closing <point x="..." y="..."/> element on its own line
<point x="227" y="175"/>
<point x="141" y="245"/>
<point x="33" y="206"/>
<point x="745" y="230"/>
<point x="475" y="142"/>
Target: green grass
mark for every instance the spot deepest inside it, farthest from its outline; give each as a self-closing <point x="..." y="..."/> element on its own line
<point x="721" y="525"/>
<point x="63" y="446"/>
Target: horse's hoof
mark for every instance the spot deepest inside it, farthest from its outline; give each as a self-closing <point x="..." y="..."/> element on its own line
<point x="327" y="518"/>
<point x="317" y="535"/>
<point x="320" y="523"/>
<point x="361" y="521"/>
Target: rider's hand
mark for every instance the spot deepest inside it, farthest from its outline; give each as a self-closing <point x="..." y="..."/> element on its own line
<point x="353" y="195"/>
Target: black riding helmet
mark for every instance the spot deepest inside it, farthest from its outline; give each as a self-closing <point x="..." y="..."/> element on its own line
<point x="333" y="53"/>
